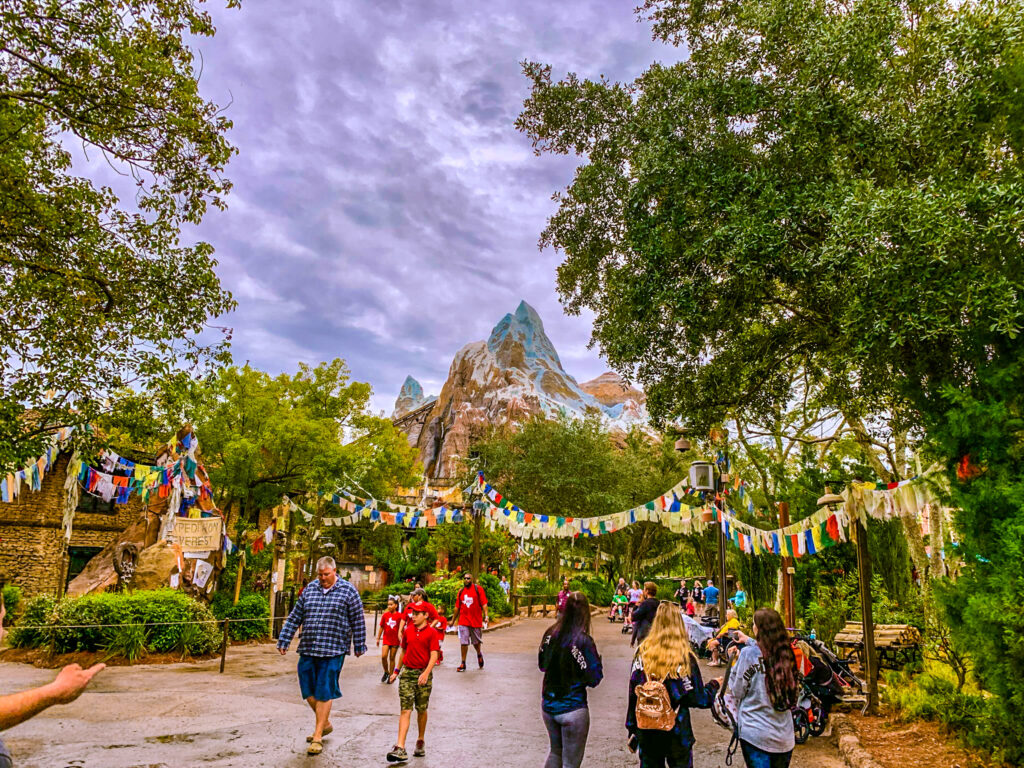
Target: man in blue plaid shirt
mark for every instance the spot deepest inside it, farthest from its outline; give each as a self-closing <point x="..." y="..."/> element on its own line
<point x="331" y="615"/>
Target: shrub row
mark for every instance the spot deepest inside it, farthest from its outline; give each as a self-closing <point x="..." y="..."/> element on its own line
<point x="250" y="606"/>
<point x="151" y="621"/>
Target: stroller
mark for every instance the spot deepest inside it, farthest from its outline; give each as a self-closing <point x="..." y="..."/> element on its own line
<point x="825" y="680"/>
<point x="700" y="635"/>
<point x="627" y="625"/>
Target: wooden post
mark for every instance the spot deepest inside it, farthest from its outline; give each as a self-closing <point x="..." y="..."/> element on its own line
<point x="224" y="647"/>
<point x="869" y="658"/>
<point x="477" y="522"/>
<point x="238" y="575"/>
<point x="788" y="594"/>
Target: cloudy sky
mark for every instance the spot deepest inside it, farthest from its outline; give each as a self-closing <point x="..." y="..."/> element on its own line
<point x="384" y="209"/>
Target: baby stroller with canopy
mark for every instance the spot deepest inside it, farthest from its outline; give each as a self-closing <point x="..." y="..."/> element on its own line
<point x="825" y="680"/>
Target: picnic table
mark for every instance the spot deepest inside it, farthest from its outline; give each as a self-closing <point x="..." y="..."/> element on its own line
<point x="895" y="644"/>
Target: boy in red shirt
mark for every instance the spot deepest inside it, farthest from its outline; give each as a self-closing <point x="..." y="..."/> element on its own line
<point x="470" y="615"/>
<point x="388" y="631"/>
<point x="421" y="645"/>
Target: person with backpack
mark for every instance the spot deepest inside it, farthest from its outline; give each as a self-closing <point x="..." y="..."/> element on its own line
<point x="569" y="659"/>
<point x="470" y="616"/>
<point x="764" y="685"/>
<point x="664" y="684"/>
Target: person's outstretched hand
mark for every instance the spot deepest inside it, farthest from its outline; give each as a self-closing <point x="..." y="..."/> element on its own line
<point x="72" y="680"/>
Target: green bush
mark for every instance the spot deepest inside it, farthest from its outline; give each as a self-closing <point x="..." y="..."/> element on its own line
<point x="598" y="591"/>
<point x="539" y="586"/>
<point x="127" y="640"/>
<point x="37" y="611"/>
<point x="167" y="608"/>
<point x="253" y="607"/>
<point x="163" y="609"/>
<point x="978" y="720"/>
<point x="12" y="602"/>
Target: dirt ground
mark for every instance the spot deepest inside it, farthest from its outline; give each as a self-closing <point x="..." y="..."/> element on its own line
<point x="901" y="745"/>
<point x="187" y="714"/>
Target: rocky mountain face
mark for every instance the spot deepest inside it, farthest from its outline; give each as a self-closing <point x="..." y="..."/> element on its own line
<point x="511" y="376"/>
<point x="410" y="397"/>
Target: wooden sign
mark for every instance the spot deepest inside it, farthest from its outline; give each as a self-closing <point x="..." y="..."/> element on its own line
<point x="196" y="534"/>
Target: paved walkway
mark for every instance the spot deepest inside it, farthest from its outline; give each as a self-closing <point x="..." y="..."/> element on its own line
<point x="188" y="714"/>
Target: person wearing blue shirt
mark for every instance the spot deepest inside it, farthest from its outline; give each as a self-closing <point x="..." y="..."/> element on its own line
<point x="740" y="598"/>
<point x="711" y="598"/>
<point x="331" y="615"/>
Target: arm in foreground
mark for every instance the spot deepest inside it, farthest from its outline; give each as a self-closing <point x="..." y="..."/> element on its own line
<point x="68" y="686"/>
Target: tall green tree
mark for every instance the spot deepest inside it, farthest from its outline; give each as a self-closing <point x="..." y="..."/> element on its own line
<point x="100" y="292"/>
<point x="827" y="187"/>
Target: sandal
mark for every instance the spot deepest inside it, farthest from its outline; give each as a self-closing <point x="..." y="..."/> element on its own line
<point x="328" y="730"/>
<point x="461" y="667"/>
<point x="315" y="747"/>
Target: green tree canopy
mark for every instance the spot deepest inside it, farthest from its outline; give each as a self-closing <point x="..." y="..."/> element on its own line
<point x="98" y="292"/>
<point x="264" y="436"/>
<point x="827" y="187"/>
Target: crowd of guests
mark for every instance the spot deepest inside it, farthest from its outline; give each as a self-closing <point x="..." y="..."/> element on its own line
<point x="763" y="685"/>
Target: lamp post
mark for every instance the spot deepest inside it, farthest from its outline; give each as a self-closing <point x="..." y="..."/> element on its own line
<point x="704" y="478"/>
<point x="869" y="659"/>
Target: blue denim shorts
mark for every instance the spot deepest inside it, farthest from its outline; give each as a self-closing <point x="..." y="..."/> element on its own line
<point x="318" y="677"/>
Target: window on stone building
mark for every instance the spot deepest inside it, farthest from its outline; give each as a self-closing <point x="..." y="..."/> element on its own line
<point x="94" y="505"/>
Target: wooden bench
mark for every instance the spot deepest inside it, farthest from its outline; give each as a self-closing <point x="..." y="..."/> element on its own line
<point x="895" y="644"/>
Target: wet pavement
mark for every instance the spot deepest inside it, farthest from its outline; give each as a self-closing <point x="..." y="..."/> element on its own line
<point x="187" y="714"/>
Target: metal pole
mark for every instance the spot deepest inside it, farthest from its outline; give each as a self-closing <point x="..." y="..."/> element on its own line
<point x="870" y="659"/>
<point x="788" y="595"/>
<point x="722" y="591"/>
<point x="224" y="647"/>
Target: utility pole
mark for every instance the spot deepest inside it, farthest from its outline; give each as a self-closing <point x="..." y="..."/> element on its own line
<point x="723" y="591"/>
<point x="477" y="521"/>
<point x="870" y="660"/>
<point x="788" y="595"/>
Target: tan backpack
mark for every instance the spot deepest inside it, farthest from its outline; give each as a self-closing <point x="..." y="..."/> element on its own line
<point x="654" y="706"/>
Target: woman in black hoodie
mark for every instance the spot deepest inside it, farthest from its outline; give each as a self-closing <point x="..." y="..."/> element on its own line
<point x="570" y="662"/>
<point x="643" y="614"/>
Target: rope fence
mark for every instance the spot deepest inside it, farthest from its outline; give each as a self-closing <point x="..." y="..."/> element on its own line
<point x="147" y="624"/>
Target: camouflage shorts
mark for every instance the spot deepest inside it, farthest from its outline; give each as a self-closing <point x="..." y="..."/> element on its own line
<point x="411" y="693"/>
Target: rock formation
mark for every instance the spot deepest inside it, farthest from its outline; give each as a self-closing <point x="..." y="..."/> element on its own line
<point x="511" y="376"/>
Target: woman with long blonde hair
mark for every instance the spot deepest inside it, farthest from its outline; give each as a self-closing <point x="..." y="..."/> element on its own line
<point x="665" y="656"/>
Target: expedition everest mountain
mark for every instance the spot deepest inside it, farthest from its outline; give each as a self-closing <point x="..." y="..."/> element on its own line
<point x="510" y="377"/>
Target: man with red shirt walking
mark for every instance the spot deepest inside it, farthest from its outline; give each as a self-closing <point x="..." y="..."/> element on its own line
<point x="470" y="615"/>
<point x="421" y="646"/>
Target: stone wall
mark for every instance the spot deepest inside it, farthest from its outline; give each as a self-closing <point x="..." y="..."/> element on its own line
<point x="32" y="551"/>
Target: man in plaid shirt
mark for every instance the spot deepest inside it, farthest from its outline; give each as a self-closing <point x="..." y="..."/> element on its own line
<point x="331" y="615"/>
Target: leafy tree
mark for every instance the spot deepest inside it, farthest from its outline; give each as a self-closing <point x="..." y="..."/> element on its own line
<point x="827" y="187"/>
<point x="984" y="606"/>
<point x="574" y="468"/>
<point x="98" y="292"/>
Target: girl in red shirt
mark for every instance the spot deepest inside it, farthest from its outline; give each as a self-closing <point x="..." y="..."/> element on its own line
<point x="388" y="632"/>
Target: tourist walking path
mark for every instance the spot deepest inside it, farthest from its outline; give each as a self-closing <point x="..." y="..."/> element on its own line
<point x="189" y="715"/>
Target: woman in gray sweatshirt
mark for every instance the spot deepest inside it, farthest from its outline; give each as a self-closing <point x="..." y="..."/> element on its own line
<point x="764" y="685"/>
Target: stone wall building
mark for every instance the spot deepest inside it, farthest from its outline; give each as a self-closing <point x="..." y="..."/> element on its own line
<point x="33" y="554"/>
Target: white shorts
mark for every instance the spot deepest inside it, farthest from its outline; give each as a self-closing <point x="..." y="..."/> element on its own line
<point x="470" y="635"/>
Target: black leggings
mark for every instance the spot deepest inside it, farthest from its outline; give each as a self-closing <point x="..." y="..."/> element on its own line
<point x="659" y="749"/>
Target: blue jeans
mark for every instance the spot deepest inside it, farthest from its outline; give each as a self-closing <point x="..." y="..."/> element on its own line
<point x="568" y="736"/>
<point x="758" y="758"/>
